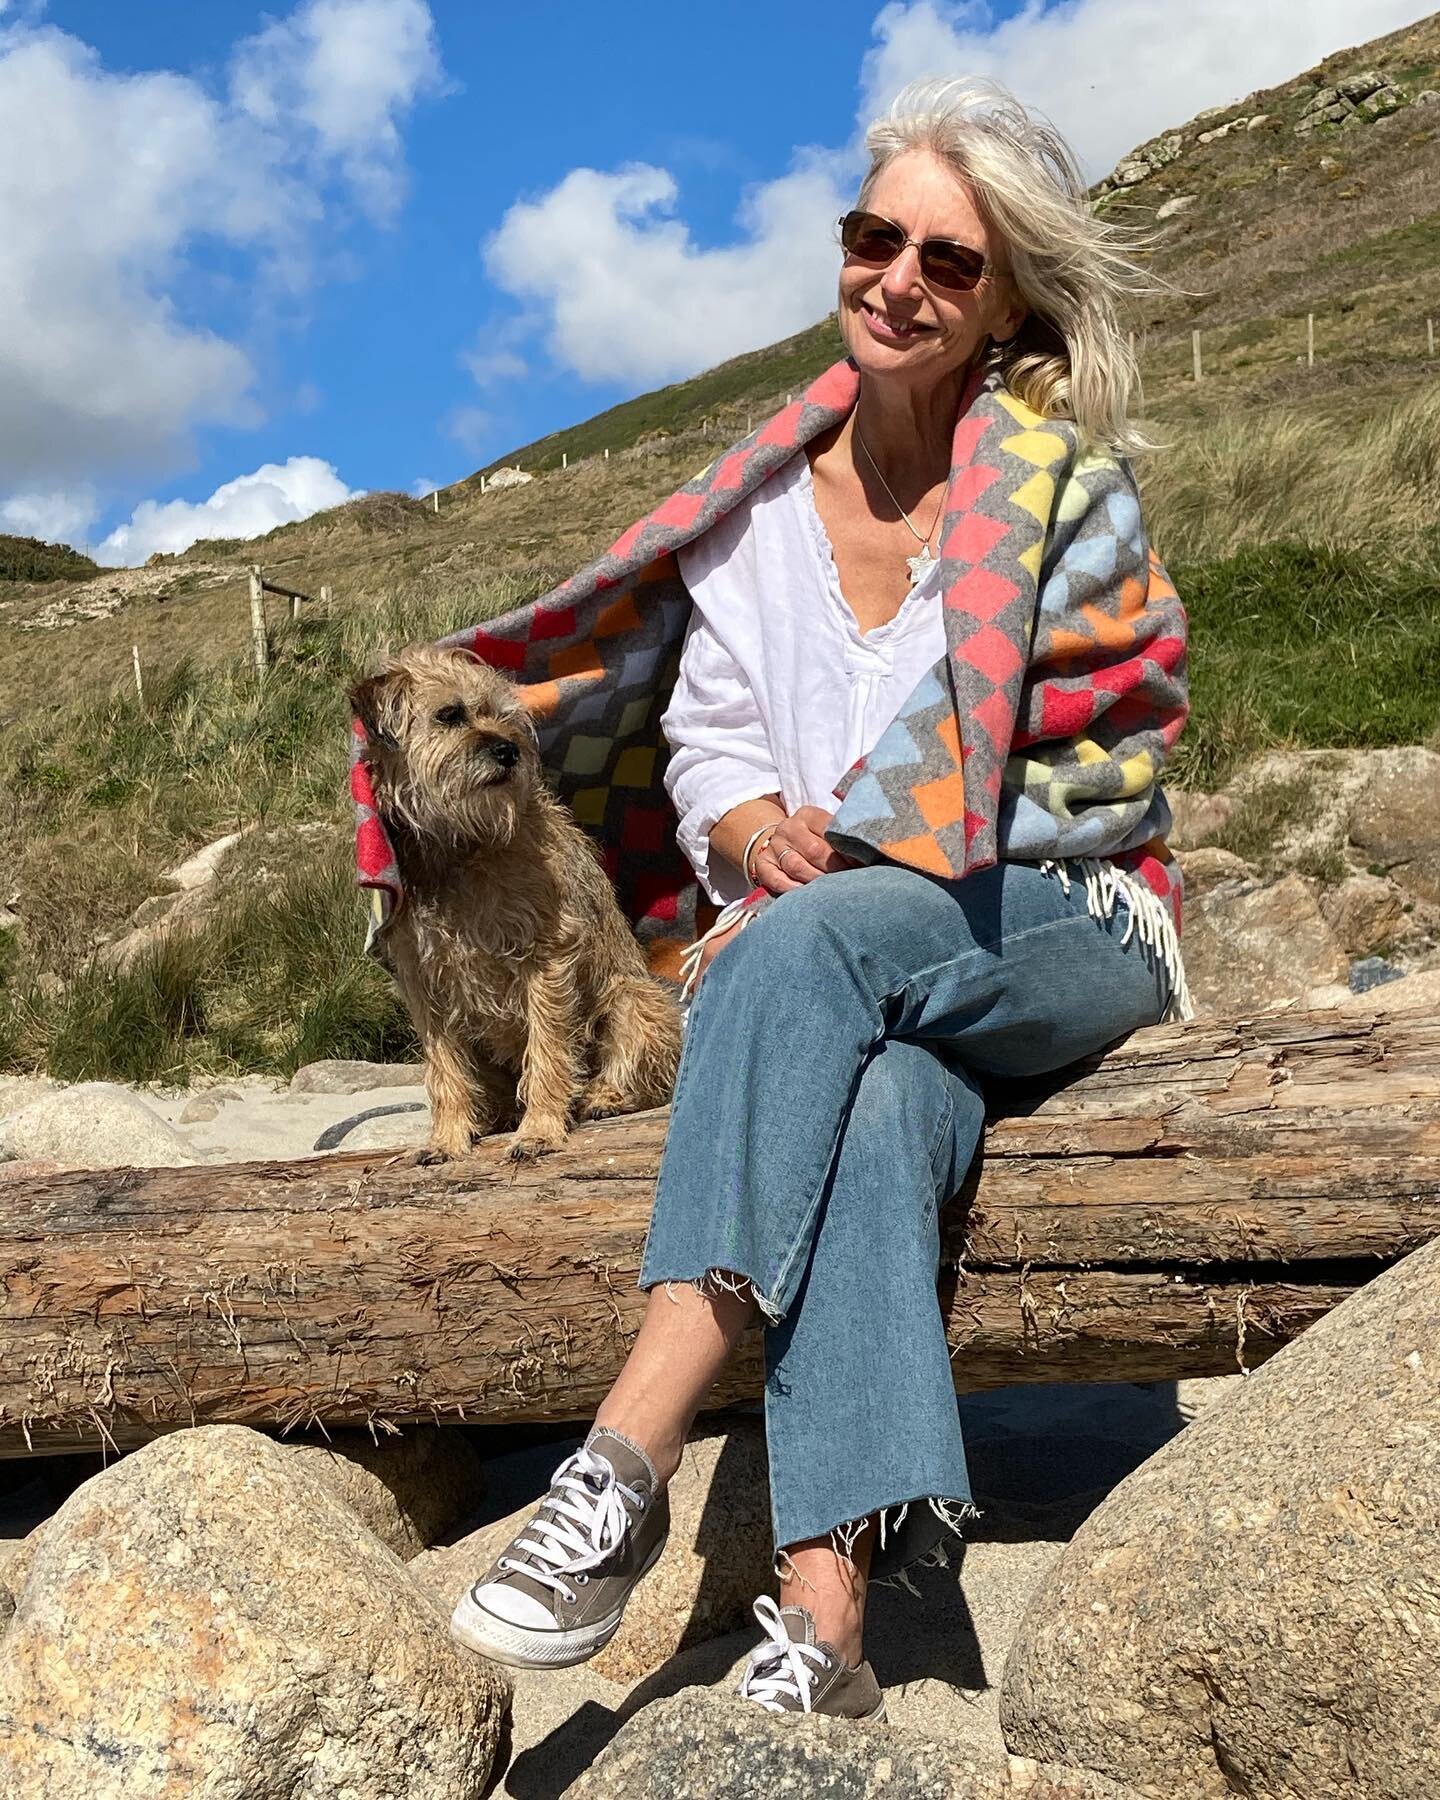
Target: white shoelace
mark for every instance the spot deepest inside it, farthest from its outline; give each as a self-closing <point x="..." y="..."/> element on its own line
<point x="777" y="1670"/>
<point x="588" y="1524"/>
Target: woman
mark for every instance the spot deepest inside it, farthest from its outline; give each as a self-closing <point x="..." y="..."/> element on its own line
<point x="828" y="1102"/>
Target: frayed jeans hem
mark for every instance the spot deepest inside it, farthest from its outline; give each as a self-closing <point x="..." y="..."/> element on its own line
<point x="892" y="1555"/>
<point x="715" y="1282"/>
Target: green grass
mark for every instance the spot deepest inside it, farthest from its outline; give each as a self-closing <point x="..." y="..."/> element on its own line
<point x="29" y="559"/>
<point x="1310" y="645"/>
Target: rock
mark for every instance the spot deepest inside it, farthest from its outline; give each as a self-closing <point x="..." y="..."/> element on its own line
<point x="1250" y="948"/>
<point x="155" y="922"/>
<point x="204" y="865"/>
<point x="1196" y="817"/>
<point x="200" y="1110"/>
<point x="1366" y="913"/>
<point x="1259" y="119"/>
<point x="1395" y="819"/>
<point x="334" y="1076"/>
<point x="17" y="1091"/>
<point x="1416" y="993"/>
<point x="1257" y="1609"/>
<point x="1180" y="203"/>
<point x="1372" y="972"/>
<point x="704" y="1745"/>
<point x="1361" y="86"/>
<point x="507" y="478"/>
<point x="407" y="1490"/>
<point x="717" y="1561"/>
<point x="1207" y="868"/>
<point x="9" y="919"/>
<point x="206" y="1619"/>
<point x="1427" y="97"/>
<point x="94" y="1125"/>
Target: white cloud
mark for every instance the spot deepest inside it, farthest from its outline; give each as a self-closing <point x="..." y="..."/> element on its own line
<point x="247" y="507"/>
<point x="628" y="294"/>
<point x="61" y="516"/>
<point x="472" y="427"/>
<point x="1111" y="73"/>
<point x="347" y="70"/>
<point x="136" y="179"/>
<point x="487" y="365"/>
<point x="624" y="293"/>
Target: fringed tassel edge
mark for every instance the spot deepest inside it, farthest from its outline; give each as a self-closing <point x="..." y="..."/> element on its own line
<point x="733" y="914"/>
<point x="1149" y="919"/>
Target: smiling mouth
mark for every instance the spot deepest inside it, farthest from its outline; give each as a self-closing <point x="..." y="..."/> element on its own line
<point x="891" y="329"/>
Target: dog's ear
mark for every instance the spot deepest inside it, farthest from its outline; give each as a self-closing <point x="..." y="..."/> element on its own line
<point x="373" y="701"/>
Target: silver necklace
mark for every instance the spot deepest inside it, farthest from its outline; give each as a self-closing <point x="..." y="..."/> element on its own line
<point x="922" y="561"/>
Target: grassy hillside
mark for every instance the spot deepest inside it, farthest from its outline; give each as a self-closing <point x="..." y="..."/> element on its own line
<point x="27" y="559"/>
<point x="1296" y="505"/>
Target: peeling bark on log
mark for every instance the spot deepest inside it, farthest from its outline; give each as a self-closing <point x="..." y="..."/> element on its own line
<point x="1183" y="1206"/>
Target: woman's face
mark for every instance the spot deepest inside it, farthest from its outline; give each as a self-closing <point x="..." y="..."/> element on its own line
<point x="897" y="325"/>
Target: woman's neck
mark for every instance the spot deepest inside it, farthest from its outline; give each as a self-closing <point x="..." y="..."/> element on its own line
<point x="910" y="431"/>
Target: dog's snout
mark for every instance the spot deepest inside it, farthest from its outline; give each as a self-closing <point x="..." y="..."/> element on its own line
<point x="502" y="751"/>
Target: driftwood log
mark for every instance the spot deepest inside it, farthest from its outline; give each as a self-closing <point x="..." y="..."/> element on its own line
<point x="1185" y="1206"/>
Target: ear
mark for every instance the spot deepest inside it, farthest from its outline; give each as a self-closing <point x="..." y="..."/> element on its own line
<point x="373" y="701"/>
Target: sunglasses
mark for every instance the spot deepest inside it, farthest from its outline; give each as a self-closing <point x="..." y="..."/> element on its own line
<point x="871" y="238"/>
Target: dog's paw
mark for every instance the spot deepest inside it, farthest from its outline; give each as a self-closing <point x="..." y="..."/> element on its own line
<point x="602" y="1099"/>
<point x="533" y="1141"/>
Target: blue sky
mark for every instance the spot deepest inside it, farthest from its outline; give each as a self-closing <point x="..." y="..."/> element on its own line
<point x="253" y="260"/>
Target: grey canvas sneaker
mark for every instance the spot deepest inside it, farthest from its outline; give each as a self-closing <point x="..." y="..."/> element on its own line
<point x="790" y="1672"/>
<point x="557" y="1592"/>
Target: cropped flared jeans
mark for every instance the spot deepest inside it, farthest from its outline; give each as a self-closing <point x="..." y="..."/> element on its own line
<point x="828" y="1104"/>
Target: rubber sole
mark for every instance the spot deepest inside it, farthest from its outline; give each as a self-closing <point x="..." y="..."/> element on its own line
<point x="523" y="1647"/>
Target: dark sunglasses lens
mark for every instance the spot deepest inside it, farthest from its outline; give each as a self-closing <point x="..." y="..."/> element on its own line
<point x="950" y="265"/>
<point x="870" y="239"/>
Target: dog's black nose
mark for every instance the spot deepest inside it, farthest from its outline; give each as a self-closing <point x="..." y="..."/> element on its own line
<point x="502" y="751"/>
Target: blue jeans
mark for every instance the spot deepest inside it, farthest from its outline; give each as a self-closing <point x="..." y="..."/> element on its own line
<point x="828" y="1104"/>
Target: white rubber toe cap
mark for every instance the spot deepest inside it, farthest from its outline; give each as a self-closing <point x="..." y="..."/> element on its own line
<point x="504" y="1602"/>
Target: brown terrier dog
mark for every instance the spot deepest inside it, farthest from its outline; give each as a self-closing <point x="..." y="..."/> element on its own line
<point x="522" y="978"/>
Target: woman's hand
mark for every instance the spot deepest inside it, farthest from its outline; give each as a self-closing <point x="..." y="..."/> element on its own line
<point x="795" y="852"/>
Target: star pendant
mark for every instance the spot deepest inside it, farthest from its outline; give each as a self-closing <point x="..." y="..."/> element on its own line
<point x="919" y="564"/>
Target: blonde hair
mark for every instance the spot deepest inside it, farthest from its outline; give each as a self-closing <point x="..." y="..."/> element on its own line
<point x="1069" y="358"/>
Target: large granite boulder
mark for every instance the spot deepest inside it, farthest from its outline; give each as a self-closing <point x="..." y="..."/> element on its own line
<point x="1395" y="820"/>
<point x="1251" y="946"/>
<point x="95" y="1125"/>
<point x="408" y="1489"/>
<point x="1257" y="1609"/>
<point x="704" y="1745"/>
<point x="717" y="1560"/>
<point x="207" y="1619"/>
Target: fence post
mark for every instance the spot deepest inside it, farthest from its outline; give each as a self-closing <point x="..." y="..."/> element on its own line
<point x="1430" y="336"/>
<point x="607" y="453"/>
<point x="327" y="600"/>
<point x="564" y="459"/>
<point x="1195" y="353"/>
<point x="294" y="609"/>
<point x="1309" y="340"/>
<point x="435" y="501"/>
<point x="257" y="620"/>
<point x="482" y="484"/>
<point x="139" y="684"/>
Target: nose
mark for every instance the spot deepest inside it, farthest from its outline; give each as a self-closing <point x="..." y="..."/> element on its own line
<point x="902" y="277"/>
<point x="502" y="751"/>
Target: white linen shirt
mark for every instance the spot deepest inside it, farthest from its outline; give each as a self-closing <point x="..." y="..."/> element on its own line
<point x="779" y="690"/>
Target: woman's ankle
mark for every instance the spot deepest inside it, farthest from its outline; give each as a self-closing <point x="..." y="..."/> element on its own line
<point x="831" y="1586"/>
<point x="661" y="1448"/>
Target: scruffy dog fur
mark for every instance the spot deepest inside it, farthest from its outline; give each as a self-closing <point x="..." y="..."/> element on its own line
<point x="525" y="984"/>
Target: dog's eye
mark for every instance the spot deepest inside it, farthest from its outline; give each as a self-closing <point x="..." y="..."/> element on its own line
<point x="454" y="714"/>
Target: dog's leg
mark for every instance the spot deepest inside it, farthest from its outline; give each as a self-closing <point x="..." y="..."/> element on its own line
<point x="451" y="1082"/>
<point x="549" y="1075"/>
<point x="637" y="1050"/>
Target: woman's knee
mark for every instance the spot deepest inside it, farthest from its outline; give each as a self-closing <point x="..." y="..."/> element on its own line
<point x="841" y="909"/>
